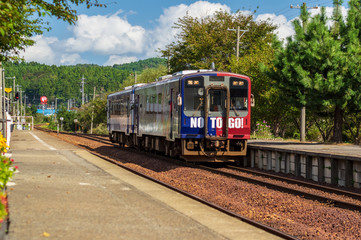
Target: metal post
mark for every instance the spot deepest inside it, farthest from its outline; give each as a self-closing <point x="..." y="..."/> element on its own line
<point x="303" y="124"/>
<point x="91" y="124"/>
<point x="25" y="105"/>
<point x="239" y="36"/>
<point x="14" y="91"/>
<point x="82" y="90"/>
<point x="2" y="111"/>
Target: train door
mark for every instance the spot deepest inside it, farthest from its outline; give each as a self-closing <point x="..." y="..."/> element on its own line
<point x="128" y="115"/>
<point x="171" y="111"/>
<point x="136" y="114"/>
<point x="217" y="112"/>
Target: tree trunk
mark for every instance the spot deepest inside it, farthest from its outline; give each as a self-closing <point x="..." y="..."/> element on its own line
<point x="338" y="122"/>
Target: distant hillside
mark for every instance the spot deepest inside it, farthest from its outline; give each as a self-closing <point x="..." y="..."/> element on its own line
<point x="63" y="82"/>
<point x="142" y="64"/>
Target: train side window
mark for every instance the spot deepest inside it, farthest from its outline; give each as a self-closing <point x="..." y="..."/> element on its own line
<point x="147" y="106"/>
<point x="159" y="102"/>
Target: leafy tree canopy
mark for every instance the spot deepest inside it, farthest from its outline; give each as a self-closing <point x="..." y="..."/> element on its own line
<point x="22" y="19"/>
<point x="202" y="41"/>
<point x="320" y="66"/>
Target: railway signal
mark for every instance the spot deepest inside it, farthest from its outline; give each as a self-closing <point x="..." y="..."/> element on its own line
<point x="16" y="96"/>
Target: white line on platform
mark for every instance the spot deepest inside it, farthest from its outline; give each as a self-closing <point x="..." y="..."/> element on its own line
<point x="42" y="142"/>
<point x="84" y="184"/>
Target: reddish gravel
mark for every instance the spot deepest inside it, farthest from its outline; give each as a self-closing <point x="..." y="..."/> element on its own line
<point x="294" y="215"/>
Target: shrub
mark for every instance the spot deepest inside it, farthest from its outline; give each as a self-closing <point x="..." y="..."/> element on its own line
<point x="6" y="171"/>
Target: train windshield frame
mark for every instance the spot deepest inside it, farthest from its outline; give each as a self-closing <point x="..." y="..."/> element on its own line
<point x="217" y="99"/>
<point x="194" y="97"/>
<point x="238" y="97"/>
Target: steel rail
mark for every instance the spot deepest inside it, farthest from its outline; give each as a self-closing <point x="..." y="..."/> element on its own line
<point x="335" y="202"/>
<point x="298" y="182"/>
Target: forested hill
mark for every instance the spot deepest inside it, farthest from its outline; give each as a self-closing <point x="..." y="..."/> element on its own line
<point x="63" y="82"/>
<point x="141" y="65"/>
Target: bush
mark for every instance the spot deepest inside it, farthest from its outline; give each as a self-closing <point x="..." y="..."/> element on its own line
<point x="6" y="171"/>
<point x="101" y="129"/>
<point x="262" y="130"/>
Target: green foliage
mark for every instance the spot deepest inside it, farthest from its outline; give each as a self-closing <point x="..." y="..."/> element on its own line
<point x="147" y="76"/>
<point x="139" y="66"/>
<point x="319" y="67"/>
<point x="22" y="19"/>
<point x="63" y="82"/>
<point x="68" y="116"/>
<point x="93" y="111"/>
<point x="262" y="130"/>
<point x="6" y="171"/>
<point x="101" y="129"/>
<point x="353" y="127"/>
<point x="206" y="40"/>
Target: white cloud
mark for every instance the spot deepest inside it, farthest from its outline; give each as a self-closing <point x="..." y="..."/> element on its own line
<point x="164" y="33"/>
<point x="49" y="50"/>
<point x="106" y="35"/>
<point x="115" y="59"/>
<point x="284" y="27"/>
<point x="71" y="59"/>
<point x="42" y="51"/>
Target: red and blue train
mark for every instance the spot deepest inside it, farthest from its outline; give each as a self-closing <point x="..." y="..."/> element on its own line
<point x="199" y="115"/>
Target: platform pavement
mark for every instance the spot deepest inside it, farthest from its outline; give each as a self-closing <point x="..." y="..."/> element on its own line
<point x="63" y="192"/>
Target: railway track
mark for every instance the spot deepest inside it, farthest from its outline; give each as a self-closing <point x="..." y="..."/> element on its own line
<point x="282" y="188"/>
<point x="354" y="195"/>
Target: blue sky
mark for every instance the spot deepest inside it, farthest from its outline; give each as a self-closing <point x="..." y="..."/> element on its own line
<point x="131" y="30"/>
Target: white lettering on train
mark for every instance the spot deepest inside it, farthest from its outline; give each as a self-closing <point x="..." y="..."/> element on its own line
<point x="216" y="122"/>
<point x="197" y="122"/>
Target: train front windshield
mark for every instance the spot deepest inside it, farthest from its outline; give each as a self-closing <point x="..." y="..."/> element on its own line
<point x="239" y="97"/>
<point x="217" y="101"/>
<point x="194" y="97"/>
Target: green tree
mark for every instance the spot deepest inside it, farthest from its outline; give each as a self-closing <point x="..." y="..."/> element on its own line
<point x="202" y="41"/>
<point x="147" y="76"/>
<point x="68" y="118"/>
<point x="320" y="66"/>
<point x="93" y="111"/>
<point x="22" y="19"/>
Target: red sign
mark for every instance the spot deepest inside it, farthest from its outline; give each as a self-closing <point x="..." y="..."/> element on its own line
<point x="43" y="100"/>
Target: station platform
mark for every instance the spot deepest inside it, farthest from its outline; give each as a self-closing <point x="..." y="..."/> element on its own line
<point x="336" y="164"/>
<point x="63" y="192"/>
<point x="344" y="151"/>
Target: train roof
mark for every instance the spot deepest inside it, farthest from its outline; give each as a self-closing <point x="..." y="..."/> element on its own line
<point x="175" y="77"/>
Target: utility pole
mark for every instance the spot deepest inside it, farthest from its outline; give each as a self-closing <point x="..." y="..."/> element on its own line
<point x="12" y="95"/>
<point x="303" y="108"/>
<point x="25" y="105"/>
<point x="21" y="103"/>
<point x="17" y="102"/>
<point x="82" y="90"/>
<point x="56" y="107"/>
<point x="239" y="36"/>
<point x="91" y="124"/>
